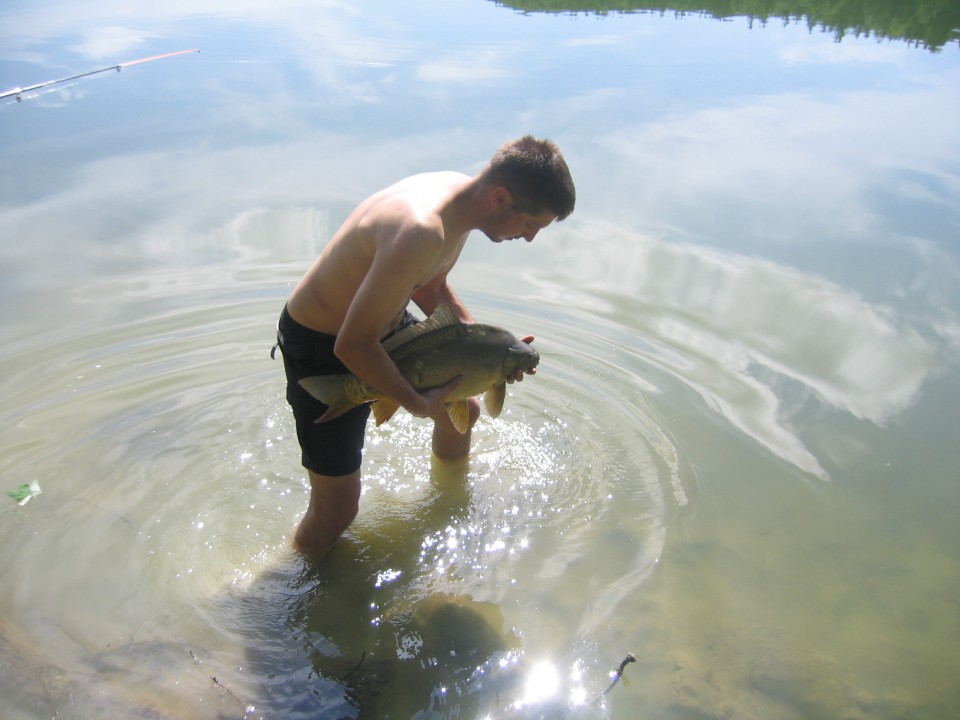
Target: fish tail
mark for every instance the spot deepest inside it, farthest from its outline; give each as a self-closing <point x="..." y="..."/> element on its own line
<point x="331" y="390"/>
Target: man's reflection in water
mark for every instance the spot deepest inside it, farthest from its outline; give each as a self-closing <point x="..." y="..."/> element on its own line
<point x="364" y="633"/>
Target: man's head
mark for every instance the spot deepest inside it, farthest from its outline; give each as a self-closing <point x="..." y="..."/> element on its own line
<point x="536" y="175"/>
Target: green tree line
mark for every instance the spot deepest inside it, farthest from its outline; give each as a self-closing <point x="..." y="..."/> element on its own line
<point x="926" y="23"/>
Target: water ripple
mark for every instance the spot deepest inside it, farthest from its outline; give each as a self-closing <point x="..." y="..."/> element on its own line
<point x="162" y="438"/>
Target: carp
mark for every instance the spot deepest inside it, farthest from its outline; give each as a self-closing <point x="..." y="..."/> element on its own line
<point x="429" y="354"/>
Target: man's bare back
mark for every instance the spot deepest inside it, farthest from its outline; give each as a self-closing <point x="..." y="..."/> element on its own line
<point x="416" y="207"/>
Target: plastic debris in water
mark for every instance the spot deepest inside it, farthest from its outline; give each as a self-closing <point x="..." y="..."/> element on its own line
<point x="24" y="492"/>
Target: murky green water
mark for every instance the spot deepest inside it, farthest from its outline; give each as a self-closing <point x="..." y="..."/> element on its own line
<point x="738" y="460"/>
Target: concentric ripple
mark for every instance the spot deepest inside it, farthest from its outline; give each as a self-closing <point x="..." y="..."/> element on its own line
<point x="558" y="517"/>
<point x="161" y="439"/>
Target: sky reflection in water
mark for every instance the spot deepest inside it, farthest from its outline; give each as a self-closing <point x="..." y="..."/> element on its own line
<point x="765" y="237"/>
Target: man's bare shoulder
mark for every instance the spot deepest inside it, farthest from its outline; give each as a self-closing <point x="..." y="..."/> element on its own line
<point x="395" y="240"/>
<point x="438" y="183"/>
<point x="412" y="206"/>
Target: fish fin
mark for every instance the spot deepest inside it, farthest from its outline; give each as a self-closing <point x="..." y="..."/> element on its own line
<point x="383" y="410"/>
<point x="331" y="391"/>
<point x="443" y="316"/>
<point x="459" y="412"/>
<point x="493" y="399"/>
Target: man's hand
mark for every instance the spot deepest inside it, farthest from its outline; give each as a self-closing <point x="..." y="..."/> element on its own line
<point x="518" y="376"/>
<point x="433" y="401"/>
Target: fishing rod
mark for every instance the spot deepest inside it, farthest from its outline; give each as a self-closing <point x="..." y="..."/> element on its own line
<point x="18" y="92"/>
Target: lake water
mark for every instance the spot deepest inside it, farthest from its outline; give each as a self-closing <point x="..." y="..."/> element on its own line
<point x="739" y="460"/>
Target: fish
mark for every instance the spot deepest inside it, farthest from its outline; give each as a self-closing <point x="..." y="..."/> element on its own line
<point x="430" y="354"/>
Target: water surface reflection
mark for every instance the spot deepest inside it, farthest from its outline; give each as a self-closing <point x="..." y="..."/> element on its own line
<point x="737" y="459"/>
<point x="753" y="338"/>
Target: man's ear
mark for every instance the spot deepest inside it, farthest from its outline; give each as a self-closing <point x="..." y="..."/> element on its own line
<point x="501" y="197"/>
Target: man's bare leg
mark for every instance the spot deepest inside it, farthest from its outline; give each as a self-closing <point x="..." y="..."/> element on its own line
<point x="334" y="503"/>
<point x="448" y="443"/>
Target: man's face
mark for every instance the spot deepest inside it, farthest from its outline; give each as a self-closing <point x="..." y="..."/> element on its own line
<point x="512" y="225"/>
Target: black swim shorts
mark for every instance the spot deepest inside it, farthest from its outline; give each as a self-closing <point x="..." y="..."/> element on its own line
<point x="328" y="448"/>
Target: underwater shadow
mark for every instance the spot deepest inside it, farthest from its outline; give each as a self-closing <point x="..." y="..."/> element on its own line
<point x="366" y="632"/>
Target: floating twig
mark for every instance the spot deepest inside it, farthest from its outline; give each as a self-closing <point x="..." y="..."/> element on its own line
<point x="618" y="673"/>
<point x="356" y="667"/>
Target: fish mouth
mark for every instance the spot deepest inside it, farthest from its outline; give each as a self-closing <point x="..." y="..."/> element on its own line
<point x="525" y="357"/>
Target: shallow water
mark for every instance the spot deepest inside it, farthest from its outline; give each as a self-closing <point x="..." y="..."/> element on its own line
<point x="737" y="460"/>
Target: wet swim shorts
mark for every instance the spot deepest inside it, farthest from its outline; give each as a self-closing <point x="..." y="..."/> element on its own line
<point x="329" y="448"/>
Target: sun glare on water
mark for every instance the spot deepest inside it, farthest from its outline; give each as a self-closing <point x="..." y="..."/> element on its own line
<point x="542" y="683"/>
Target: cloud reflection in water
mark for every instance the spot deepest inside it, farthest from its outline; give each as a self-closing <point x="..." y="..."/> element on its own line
<point x="742" y="331"/>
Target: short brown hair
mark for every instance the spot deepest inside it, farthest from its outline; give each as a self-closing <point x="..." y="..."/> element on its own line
<point x="535" y="173"/>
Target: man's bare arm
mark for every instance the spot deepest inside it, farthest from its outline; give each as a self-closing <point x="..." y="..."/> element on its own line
<point x="386" y="287"/>
<point x="438" y="292"/>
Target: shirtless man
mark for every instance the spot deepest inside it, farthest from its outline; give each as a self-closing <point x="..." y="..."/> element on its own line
<point x="399" y="245"/>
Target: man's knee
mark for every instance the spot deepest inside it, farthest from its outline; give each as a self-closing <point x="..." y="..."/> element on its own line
<point x="341" y="512"/>
<point x="336" y="495"/>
